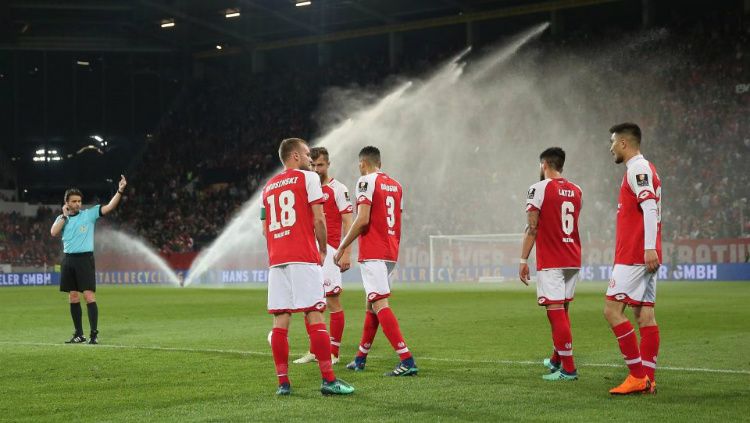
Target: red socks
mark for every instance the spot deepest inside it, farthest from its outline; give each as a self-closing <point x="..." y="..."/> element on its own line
<point x="320" y="344"/>
<point x="562" y="337"/>
<point x="649" y="349"/>
<point x="368" y="333"/>
<point x="393" y="332"/>
<point x="337" y="330"/>
<point x="629" y="346"/>
<point x="280" y="349"/>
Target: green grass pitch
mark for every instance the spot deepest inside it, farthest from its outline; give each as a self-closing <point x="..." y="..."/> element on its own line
<point x="169" y="354"/>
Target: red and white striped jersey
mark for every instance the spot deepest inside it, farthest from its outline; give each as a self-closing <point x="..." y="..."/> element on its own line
<point x="287" y="207"/>
<point x="640" y="183"/>
<point x="380" y="241"/>
<point x="558" y="244"/>
<point x="336" y="204"/>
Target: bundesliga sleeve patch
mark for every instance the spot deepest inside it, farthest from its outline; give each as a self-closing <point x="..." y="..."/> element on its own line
<point x="346" y="196"/>
<point x="362" y="187"/>
<point x="641" y="179"/>
<point x="531" y="193"/>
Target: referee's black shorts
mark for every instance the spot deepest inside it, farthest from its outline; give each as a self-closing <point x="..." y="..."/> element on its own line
<point x="78" y="273"/>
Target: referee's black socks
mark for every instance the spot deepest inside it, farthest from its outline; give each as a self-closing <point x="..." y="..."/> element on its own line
<point x="77" y="314"/>
<point x="93" y="312"/>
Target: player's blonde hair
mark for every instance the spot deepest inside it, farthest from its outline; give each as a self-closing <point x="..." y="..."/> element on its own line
<point x="289" y="146"/>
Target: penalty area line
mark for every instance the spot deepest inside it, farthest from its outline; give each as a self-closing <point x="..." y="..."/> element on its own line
<point x="439" y="359"/>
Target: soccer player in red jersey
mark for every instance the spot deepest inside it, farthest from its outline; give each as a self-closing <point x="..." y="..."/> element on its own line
<point x="552" y="209"/>
<point x="293" y="220"/>
<point x="378" y="226"/>
<point x="637" y="259"/>
<point x="338" y="211"/>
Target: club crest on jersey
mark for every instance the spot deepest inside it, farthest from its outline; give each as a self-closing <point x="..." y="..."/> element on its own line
<point x="362" y="187"/>
<point x="531" y="193"/>
<point x="641" y="179"/>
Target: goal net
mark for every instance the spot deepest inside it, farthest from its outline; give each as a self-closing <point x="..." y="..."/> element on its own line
<point x="480" y="258"/>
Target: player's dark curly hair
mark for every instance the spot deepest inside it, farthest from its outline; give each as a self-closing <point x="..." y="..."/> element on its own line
<point x="627" y="128"/>
<point x="72" y="191"/>
<point x="371" y="154"/>
<point x="554" y="157"/>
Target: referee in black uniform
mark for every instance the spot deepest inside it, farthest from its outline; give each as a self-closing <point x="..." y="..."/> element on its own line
<point x="78" y="273"/>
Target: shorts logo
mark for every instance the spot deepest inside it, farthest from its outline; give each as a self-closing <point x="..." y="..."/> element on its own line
<point x="361" y="198"/>
<point x="620" y="297"/>
<point x="372" y="296"/>
<point x="320" y="306"/>
<point x="542" y="300"/>
<point x="644" y="194"/>
<point x="641" y="179"/>
<point x="362" y="187"/>
<point x="531" y="193"/>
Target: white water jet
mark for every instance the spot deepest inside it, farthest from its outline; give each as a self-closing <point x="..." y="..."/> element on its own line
<point x="117" y="251"/>
<point x="465" y="140"/>
<point x="388" y="123"/>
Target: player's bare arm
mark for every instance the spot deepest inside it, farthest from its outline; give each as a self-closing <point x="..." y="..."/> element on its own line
<point x="346" y="259"/>
<point x="319" y="221"/>
<point x="115" y="201"/>
<point x="532" y="218"/>
<point x="359" y="225"/>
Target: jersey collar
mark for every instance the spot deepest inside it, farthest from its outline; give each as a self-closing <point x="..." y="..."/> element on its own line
<point x="634" y="159"/>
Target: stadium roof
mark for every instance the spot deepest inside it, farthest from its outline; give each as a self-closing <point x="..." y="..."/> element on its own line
<point x="199" y="25"/>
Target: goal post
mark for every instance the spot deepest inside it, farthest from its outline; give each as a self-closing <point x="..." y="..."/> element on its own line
<point x="496" y="246"/>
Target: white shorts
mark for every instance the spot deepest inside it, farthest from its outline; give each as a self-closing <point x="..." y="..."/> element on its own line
<point x="331" y="274"/>
<point x="376" y="277"/>
<point x="632" y="285"/>
<point x="556" y="286"/>
<point x="295" y="287"/>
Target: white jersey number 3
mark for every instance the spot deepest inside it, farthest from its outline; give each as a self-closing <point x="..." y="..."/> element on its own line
<point x="390" y="208"/>
<point x="568" y="220"/>
<point x="288" y="215"/>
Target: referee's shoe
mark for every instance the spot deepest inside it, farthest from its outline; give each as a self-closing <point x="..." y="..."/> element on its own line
<point x="77" y="338"/>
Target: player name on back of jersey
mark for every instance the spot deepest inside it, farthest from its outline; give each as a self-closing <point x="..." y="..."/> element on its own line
<point x="282" y="183"/>
<point x="566" y="193"/>
<point x="389" y="188"/>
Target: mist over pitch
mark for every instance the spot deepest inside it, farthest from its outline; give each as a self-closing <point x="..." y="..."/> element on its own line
<point x="464" y="141"/>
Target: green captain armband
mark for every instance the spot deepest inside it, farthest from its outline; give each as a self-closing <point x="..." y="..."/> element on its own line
<point x="263" y="213"/>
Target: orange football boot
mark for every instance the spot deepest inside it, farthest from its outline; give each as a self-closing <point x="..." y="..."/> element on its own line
<point x="632" y="385"/>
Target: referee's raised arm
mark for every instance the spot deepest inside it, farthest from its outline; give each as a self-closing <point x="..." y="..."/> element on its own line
<point x="115" y="199"/>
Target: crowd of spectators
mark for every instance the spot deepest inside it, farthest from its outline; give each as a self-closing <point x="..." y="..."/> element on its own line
<point x="214" y="149"/>
<point x="25" y="241"/>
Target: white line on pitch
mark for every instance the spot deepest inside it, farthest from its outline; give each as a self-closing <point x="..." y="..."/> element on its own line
<point x="448" y="360"/>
